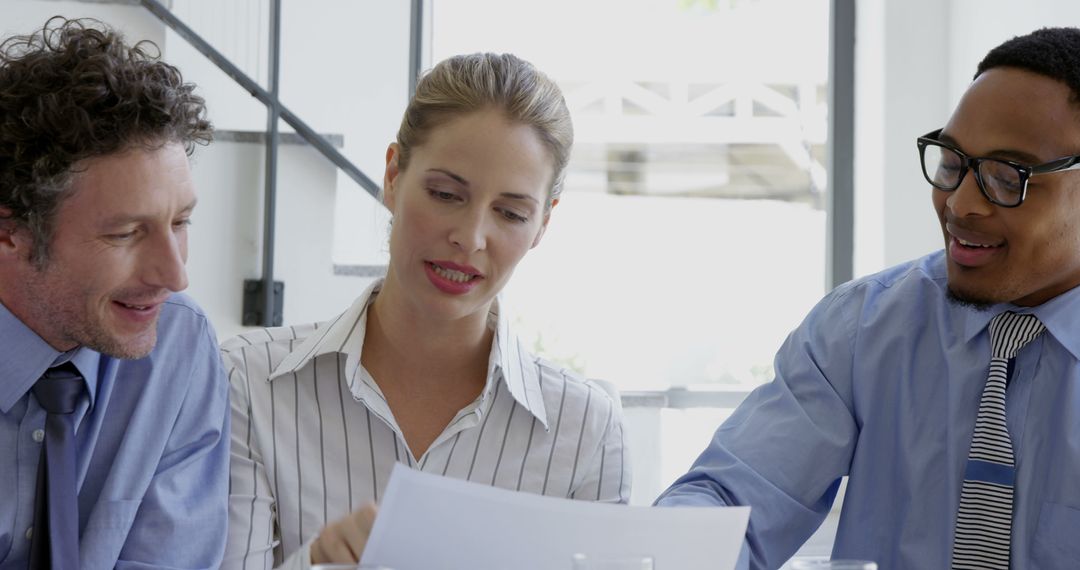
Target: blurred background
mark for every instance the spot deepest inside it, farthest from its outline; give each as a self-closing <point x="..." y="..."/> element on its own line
<point x="702" y="216"/>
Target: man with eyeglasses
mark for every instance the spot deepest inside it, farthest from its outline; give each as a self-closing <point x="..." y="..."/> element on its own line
<point x="948" y="388"/>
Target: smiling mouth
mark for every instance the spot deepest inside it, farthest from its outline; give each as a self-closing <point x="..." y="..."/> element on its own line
<point x="453" y="274"/>
<point x="135" y="307"/>
<point x="147" y="308"/>
<point x="966" y="243"/>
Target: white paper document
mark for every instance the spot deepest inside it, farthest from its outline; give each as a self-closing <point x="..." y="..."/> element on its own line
<point x="427" y="522"/>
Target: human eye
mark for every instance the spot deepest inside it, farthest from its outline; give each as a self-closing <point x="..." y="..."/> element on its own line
<point x="1010" y="184"/>
<point x="120" y="237"/>
<point x="512" y="216"/>
<point x="181" y="224"/>
<point x="950" y="161"/>
<point x="443" y="195"/>
<point x="1010" y="188"/>
<point x="1002" y="179"/>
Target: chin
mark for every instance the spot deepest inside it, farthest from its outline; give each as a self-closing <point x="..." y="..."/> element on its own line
<point x="129" y="348"/>
<point x="969" y="301"/>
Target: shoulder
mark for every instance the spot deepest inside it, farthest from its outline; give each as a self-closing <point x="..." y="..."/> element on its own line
<point x="258" y="352"/>
<point x="568" y="392"/>
<point x="927" y="271"/>
<point x="876" y="307"/>
<point x="914" y="283"/>
<point x="186" y="341"/>
<point x="183" y="319"/>
<point x="269" y="337"/>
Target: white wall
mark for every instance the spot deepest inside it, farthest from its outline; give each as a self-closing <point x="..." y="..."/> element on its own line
<point x="226" y="236"/>
<point x="901" y="93"/>
<point x="982" y="24"/>
<point x="344" y="70"/>
<point x="26" y="16"/>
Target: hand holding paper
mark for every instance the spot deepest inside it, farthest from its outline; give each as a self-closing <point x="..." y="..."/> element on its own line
<point x="343" y="541"/>
<point x="428" y="522"/>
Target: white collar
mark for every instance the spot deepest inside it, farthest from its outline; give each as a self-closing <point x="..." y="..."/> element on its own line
<point x="344" y="334"/>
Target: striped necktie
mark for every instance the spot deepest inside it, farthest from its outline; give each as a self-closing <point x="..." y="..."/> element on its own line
<point x="984" y="520"/>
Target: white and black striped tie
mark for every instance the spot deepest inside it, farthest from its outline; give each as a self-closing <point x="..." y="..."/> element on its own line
<point x="984" y="520"/>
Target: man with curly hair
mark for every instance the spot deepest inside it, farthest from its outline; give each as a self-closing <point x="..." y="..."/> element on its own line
<point x="113" y="405"/>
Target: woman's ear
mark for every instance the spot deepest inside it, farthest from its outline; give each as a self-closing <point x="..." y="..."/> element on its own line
<point x="393" y="154"/>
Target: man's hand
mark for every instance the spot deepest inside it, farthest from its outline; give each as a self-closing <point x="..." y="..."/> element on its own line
<point x="343" y="540"/>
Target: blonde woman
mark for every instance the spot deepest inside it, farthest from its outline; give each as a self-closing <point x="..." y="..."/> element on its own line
<point x="424" y="368"/>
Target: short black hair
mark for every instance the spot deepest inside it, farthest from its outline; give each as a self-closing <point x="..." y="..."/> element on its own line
<point x="1053" y="52"/>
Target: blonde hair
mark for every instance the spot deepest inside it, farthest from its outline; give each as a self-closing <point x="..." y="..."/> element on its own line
<point x="466" y="84"/>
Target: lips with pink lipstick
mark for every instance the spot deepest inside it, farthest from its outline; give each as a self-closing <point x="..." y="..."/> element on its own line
<point x="972" y="249"/>
<point x="452" y="278"/>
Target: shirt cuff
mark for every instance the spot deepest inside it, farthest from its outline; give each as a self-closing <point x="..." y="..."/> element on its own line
<point x="301" y="559"/>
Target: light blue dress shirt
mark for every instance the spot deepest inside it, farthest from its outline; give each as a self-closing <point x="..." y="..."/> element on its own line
<point x="153" y="440"/>
<point x="881" y="383"/>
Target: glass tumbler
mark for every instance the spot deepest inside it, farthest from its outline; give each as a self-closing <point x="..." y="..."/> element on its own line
<point x="826" y="564"/>
<point x="611" y="562"/>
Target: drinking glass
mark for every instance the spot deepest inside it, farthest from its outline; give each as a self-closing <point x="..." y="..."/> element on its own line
<point x="612" y="562"/>
<point x="826" y="564"/>
<point x="347" y="567"/>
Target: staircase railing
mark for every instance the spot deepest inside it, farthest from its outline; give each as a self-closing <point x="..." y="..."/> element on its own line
<point x="263" y="298"/>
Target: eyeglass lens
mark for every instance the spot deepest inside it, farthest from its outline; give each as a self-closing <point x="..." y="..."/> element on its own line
<point x="1000" y="181"/>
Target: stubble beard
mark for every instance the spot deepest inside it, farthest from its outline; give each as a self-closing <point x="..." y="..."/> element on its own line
<point x="76" y="321"/>
<point x="89" y="330"/>
<point x="968" y="301"/>
<point x="98" y="339"/>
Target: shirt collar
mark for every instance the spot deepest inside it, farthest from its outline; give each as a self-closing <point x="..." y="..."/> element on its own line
<point x="332" y="337"/>
<point x="517" y="366"/>
<point x="508" y="362"/>
<point x="25" y="356"/>
<point x="1058" y="315"/>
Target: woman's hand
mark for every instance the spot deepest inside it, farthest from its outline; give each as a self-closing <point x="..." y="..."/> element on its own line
<point x="343" y="540"/>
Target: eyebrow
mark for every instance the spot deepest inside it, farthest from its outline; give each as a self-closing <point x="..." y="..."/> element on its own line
<point x="514" y="196"/>
<point x="456" y="178"/>
<point x="465" y="183"/>
<point x="1008" y="154"/>
<point x="127" y="219"/>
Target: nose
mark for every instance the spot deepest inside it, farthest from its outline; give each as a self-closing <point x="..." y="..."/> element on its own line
<point x="164" y="264"/>
<point x="968" y="199"/>
<point x="469" y="232"/>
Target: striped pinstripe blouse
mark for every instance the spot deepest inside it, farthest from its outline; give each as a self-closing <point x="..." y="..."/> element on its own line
<point x="313" y="438"/>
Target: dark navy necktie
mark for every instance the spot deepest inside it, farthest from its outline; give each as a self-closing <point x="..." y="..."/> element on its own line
<point x="55" y="539"/>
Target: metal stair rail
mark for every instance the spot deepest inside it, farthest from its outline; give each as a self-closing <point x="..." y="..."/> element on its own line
<point x="263" y="295"/>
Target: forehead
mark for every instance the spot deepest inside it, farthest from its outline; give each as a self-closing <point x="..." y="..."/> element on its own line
<point x="486" y="146"/>
<point x="136" y="182"/>
<point x="1009" y="109"/>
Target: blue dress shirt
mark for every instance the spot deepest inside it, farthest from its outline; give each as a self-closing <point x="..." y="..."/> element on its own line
<point x="881" y="382"/>
<point x="153" y="441"/>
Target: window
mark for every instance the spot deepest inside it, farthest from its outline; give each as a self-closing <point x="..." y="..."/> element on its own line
<point x="691" y="237"/>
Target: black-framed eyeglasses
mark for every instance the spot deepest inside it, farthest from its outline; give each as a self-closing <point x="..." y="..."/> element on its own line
<point x="1003" y="182"/>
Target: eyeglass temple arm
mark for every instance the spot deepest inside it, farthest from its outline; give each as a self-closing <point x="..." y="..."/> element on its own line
<point x="1059" y="165"/>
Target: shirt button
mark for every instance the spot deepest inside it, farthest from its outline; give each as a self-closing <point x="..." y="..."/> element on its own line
<point x="30" y="533"/>
<point x="38" y="435"/>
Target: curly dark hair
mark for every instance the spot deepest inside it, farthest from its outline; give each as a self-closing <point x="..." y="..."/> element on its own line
<point x="72" y="91"/>
<point x="1053" y="52"/>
